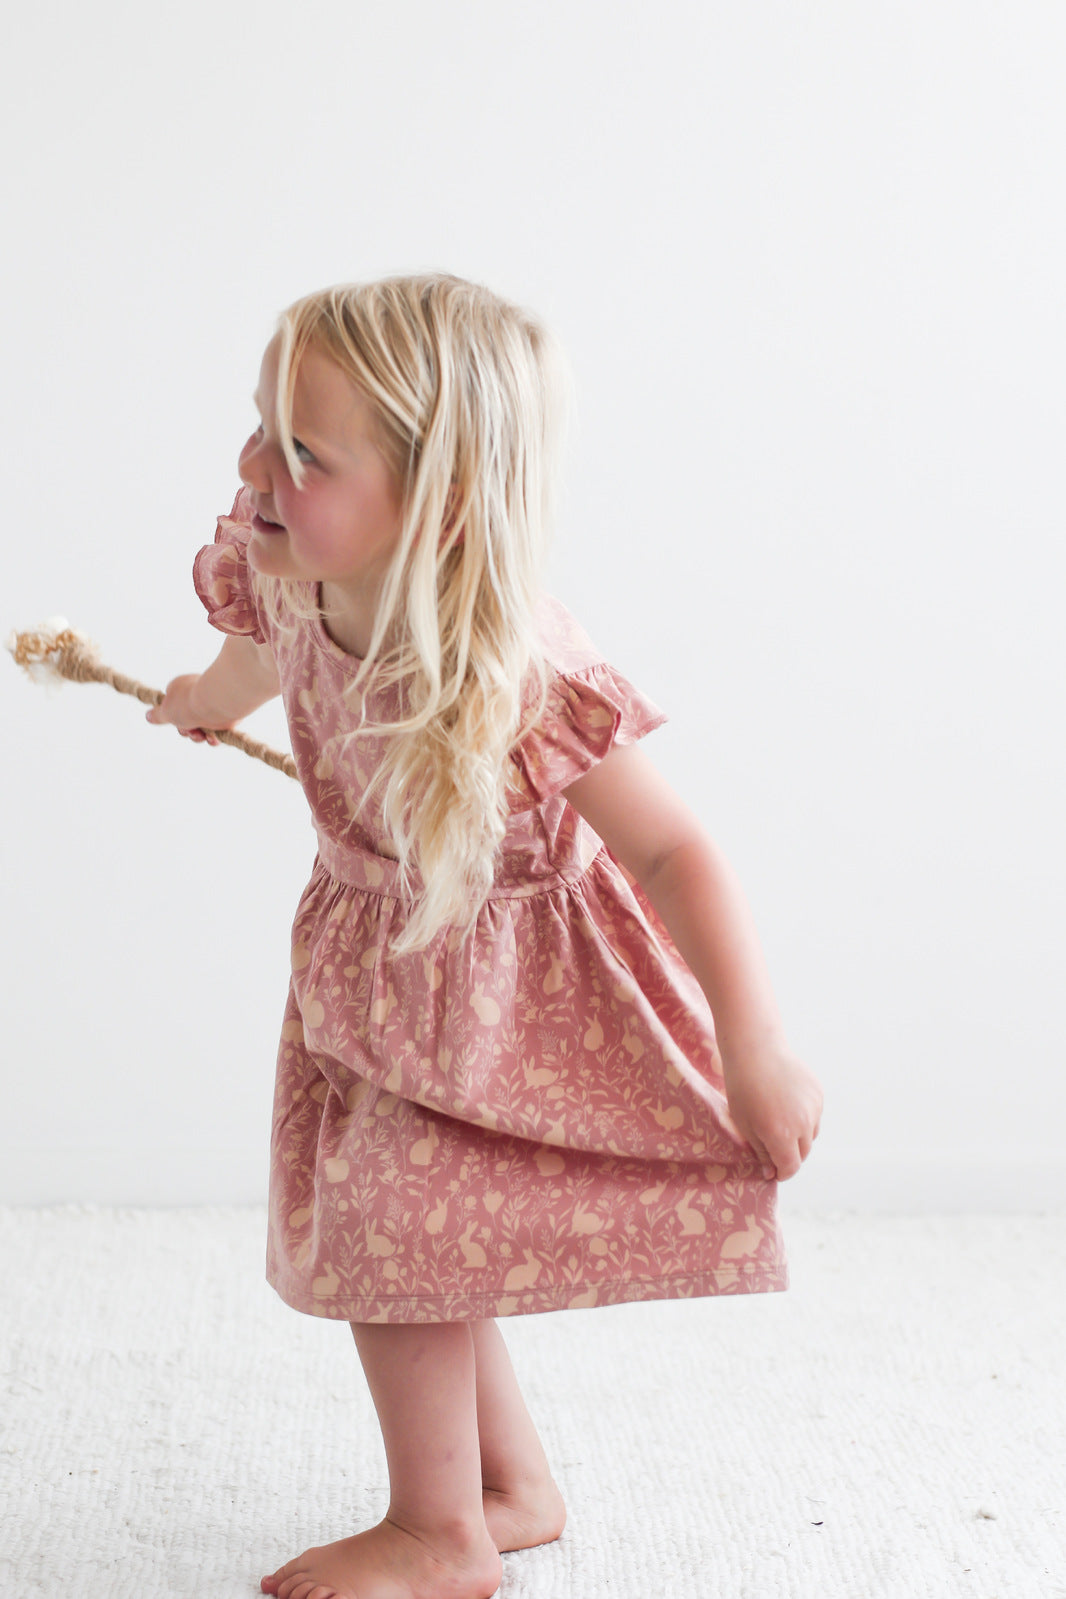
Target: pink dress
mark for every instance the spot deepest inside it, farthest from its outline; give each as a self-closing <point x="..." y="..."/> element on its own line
<point x="525" y="1122"/>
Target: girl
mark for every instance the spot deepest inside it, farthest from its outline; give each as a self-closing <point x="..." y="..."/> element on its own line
<point x="499" y="1088"/>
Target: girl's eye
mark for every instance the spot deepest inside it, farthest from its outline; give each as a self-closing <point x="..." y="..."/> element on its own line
<point x="302" y="453"/>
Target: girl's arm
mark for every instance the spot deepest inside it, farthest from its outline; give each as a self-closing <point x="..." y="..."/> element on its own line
<point x="241" y="678"/>
<point x="774" y="1101"/>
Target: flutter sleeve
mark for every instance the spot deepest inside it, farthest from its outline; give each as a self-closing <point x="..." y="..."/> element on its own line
<point x="589" y="712"/>
<point x="221" y="576"/>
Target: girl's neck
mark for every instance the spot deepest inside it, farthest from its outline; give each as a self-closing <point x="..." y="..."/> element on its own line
<point x="348" y="619"/>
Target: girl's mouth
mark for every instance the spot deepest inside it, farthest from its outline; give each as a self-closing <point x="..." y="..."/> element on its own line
<point x="261" y="525"/>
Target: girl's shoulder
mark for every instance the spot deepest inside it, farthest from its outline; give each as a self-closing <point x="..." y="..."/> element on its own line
<point x="590" y="708"/>
<point x="222" y="578"/>
<point x="564" y="643"/>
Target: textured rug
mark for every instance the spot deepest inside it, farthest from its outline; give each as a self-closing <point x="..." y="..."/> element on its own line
<point x="893" y="1426"/>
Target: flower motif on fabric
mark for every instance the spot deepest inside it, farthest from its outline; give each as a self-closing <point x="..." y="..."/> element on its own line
<point x="525" y="1123"/>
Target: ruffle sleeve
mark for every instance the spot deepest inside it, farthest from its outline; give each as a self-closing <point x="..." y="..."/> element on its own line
<point x="222" y="579"/>
<point x="588" y="713"/>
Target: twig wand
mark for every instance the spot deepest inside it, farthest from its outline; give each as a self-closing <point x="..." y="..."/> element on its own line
<point x="55" y="651"/>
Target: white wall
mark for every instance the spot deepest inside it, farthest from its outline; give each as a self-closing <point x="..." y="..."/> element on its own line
<point x="808" y="262"/>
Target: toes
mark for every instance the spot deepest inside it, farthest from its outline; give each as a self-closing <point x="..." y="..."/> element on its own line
<point x="283" y="1582"/>
<point x="300" y="1586"/>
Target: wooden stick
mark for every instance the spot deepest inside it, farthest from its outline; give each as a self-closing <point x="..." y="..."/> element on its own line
<point x="55" y="651"/>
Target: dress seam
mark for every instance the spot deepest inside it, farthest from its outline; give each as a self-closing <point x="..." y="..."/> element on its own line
<point x="632" y="1290"/>
<point x="750" y="1270"/>
<point x="535" y="891"/>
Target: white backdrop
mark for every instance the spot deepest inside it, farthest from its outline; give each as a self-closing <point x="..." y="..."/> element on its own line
<point x="807" y="260"/>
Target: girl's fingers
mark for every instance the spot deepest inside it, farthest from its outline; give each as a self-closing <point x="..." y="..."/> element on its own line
<point x="762" y="1155"/>
<point x="790" y="1165"/>
<point x="785" y="1161"/>
<point x="199" y="735"/>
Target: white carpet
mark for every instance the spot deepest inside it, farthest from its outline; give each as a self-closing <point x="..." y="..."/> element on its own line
<point x="893" y="1426"/>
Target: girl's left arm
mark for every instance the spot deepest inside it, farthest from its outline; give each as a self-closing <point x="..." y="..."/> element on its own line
<point x="774" y="1101"/>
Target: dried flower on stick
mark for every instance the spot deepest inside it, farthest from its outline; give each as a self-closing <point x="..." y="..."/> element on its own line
<point x="55" y="650"/>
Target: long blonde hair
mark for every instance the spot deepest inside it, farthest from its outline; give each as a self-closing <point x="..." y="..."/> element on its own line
<point x="467" y="391"/>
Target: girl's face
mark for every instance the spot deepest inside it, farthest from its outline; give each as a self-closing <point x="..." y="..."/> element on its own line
<point x="343" y="524"/>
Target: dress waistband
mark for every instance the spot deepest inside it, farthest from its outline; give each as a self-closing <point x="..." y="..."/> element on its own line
<point x="377" y="874"/>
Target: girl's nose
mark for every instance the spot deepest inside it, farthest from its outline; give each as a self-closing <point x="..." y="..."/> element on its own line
<point x="252" y="465"/>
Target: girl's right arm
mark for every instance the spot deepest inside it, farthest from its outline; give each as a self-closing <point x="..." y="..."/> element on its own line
<point x="241" y="678"/>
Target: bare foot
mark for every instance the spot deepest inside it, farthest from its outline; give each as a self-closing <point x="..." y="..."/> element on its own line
<point x="526" y="1517"/>
<point x="388" y="1562"/>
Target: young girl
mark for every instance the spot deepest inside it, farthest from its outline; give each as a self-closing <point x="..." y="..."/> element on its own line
<point x="499" y="1088"/>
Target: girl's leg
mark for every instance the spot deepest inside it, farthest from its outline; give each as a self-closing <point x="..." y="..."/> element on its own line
<point x="433" y="1542"/>
<point x="523" y="1506"/>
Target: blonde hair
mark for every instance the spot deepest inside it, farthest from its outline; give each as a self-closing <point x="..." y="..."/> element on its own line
<point x="467" y="391"/>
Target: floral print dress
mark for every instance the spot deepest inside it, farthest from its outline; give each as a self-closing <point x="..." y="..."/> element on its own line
<point x="528" y="1120"/>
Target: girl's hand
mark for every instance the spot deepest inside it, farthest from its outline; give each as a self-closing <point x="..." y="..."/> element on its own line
<point x="775" y="1104"/>
<point x="181" y="706"/>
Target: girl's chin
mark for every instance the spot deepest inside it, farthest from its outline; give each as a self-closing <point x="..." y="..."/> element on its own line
<point x="269" y="556"/>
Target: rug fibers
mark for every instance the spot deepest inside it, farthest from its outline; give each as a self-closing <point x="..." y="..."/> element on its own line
<point x="894" y="1427"/>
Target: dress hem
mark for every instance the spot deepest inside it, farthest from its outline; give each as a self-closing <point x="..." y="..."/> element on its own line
<point x="731" y="1280"/>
